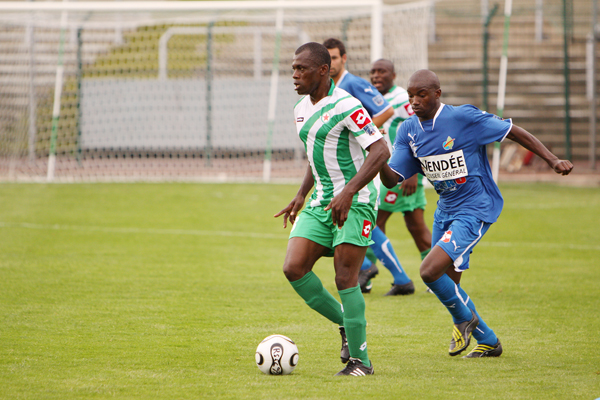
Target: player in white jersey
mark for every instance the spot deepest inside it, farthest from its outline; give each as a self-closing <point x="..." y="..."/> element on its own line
<point x="379" y="109"/>
<point x="448" y="145"/>
<point x="337" y="133"/>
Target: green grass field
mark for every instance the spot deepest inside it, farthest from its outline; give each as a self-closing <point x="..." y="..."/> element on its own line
<point x="163" y="291"/>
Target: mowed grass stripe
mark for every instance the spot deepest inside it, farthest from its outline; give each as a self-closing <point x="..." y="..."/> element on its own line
<point x="195" y="232"/>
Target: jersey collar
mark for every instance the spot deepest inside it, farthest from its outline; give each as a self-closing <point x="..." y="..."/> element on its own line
<point x="343" y="76"/>
<point x="434" y="118"/>
<point x="331" y="87"/>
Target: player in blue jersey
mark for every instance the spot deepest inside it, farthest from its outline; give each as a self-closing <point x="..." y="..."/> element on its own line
<point x="381" y="111"/>
<point x="447" y="144"/>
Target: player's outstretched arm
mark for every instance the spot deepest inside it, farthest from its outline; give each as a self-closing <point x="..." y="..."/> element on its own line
<point x="531" y="143"/>
<point x="291" y="210"/>
<point x="340" y="204"/>
<point x="388" y="177"/>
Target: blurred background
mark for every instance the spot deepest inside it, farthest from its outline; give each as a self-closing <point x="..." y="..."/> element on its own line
<point x="158" y="94"/>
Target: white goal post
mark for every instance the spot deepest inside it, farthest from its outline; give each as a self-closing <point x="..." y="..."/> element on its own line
<point x="175" y="90"/>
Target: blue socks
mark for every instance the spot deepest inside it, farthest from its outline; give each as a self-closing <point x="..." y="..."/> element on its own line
<point x="483" y="333"/>
<point x="385" y="253"/>
<point x="366" y="264"/>
<point x="446" y="290"/>
<point x="459" y="304"/>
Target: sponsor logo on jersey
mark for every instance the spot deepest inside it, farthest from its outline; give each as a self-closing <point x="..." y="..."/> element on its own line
<point x="378" y="100"/>
<point x="300" y="119"/>
<point x="366" y="230"/>
<point x="361" y="118"/>
<point x="409" y="109"/>
<point x="325" y="117"/>
<point x="368" y="90"/>
<point x="448" y="144"/>
<point x="444" y="166"/>
<point x="391" y="197"/>
<point x="447" y="236"/>
<point x="370" y="129"/>
<point x="412" y="144"/>
<point x="460" y="181"/>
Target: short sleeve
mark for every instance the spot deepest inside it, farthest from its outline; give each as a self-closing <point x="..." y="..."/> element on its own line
<point x="403" y="162"/>
<point x="361" y="126"/>
<point x="402" y="108"/>
<point x="489" y="128"/>
<point x="370" y="97"/>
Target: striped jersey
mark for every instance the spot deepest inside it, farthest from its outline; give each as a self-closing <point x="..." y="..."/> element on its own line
<point x="335" y="132"/>
<point x="398" y="98"/>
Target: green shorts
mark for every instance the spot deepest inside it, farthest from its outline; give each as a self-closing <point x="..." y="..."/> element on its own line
<point x="393" y="201"/>
<point x="314" y="223"/>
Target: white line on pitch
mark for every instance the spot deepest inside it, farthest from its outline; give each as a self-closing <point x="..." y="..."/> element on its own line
<point x="195" y="232"/>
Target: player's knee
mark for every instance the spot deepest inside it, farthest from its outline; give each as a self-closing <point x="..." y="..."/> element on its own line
<point x="428" y="273"/>
<point x="293" y="272"/>
<point x="345" y="281"/>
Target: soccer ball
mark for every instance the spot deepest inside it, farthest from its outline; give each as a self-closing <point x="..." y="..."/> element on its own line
<point x="277" y="355"/>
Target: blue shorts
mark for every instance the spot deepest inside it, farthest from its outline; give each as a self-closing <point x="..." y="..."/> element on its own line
<point x="457" y="235"/>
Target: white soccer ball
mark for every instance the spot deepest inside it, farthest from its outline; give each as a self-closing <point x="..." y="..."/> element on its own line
<point x="277" y="355"/>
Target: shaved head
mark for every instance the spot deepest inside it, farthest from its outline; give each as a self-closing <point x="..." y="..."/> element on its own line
<point x="383" y="75"/>
<point x="384" y="64"/>
<point x="424" y="93"/>
<point x="424" y="78"/>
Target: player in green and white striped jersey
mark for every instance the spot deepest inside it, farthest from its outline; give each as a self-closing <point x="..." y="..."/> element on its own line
<point x="337" y="133"/>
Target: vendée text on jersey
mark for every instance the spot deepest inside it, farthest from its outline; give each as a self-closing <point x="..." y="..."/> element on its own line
<point x="444" y="166"/>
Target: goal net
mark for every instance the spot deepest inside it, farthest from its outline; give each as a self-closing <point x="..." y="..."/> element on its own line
<point x="174" y="95"/>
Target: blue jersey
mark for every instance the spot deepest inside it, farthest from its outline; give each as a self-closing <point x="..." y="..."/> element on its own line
<point x="366" y="93"/>
<point x="450" y="151"/>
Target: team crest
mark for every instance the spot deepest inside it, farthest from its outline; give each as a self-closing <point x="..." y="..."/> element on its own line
<point x="378" y="100"/>
<point x="325" y="117"/>
<point x="448" y="144"/>
<point x="447" y="236"/>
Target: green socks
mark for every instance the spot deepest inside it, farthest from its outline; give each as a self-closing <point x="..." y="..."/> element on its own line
<point x="352" y="318"/>
<point x="355" y="323"/>
<point x="310" y="288"/>
<point x="424" y="254"/>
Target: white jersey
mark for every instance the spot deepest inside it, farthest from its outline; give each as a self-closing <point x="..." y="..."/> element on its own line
<point x="336" y="131"/>
<point x="398" y="98"/>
